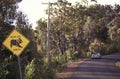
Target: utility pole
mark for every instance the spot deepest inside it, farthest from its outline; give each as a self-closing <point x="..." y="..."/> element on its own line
<point x="48" y="34"/>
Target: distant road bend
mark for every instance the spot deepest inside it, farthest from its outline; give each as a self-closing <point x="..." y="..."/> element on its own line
<point x="93" y="69"/>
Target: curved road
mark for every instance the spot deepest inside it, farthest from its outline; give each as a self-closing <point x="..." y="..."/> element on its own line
<point x="92" y="69"/>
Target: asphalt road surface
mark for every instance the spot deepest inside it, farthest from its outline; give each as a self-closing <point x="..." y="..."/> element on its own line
<point x="92" y="69"/>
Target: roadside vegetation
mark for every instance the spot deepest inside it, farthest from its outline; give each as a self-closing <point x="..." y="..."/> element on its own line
<point x="118" y="64"/>
<point x="76" y="31"/>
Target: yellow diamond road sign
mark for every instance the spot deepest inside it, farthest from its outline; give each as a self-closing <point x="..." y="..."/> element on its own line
<point x="16" y="42"/>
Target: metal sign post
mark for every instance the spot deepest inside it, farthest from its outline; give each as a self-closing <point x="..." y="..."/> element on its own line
<point x="19" y="65"/>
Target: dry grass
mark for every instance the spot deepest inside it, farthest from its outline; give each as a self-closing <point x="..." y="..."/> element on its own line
<point x="118" y="64"/>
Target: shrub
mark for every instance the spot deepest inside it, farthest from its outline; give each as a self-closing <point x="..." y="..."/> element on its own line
<point x="97" y="45"/>
<point x="112" y="48"/>
<point x="30" y="70"/>
<point x="37" y="69"/>
<point x="3" y="71"/>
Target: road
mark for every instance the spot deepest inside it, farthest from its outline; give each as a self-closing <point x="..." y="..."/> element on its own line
<point x="92" y="69"/>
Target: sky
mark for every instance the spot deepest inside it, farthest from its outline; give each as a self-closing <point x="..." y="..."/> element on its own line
<point x="35" y="10"/>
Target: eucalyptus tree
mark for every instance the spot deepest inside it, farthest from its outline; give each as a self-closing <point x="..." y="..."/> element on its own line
<point x="59" y="27"/>
<point x="75" y="27"/>
<point x="8" y="10"/>
<point x="7" y="16"/>
<point x="96" y="25"/>
<point x="114" y="26"/>
<point x="67" y="23"/>
<point x="40" y="34"/>
<point x="114" y="29"/>
<point x="10" y="18"/>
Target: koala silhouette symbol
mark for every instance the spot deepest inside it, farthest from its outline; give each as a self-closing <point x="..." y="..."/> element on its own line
<point x="16" y="42"/>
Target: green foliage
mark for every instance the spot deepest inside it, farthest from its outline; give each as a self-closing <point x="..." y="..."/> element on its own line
<point x="8" y="66"/>
<point x="112" y="48"/>
<point x="3" y="71"/>
<point x="8" y="16"/>
<point x="30" y="69"/>
<point x="85" y="54"/>
<point x="43" y="71"/>
<point x="114" y="29"/>
<point x="62" y="58"/>
<point x="96" y="45"/>
<point x="76" y="31"/>
<point x="37" y="69"/>
<point x="89" y="54"/>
